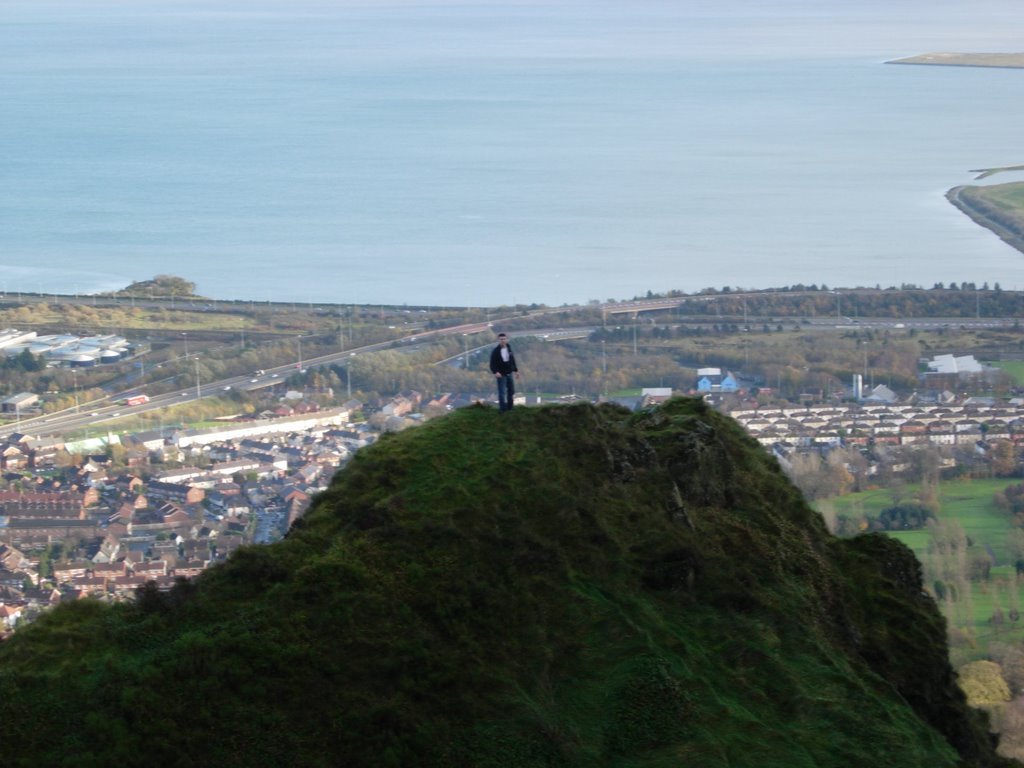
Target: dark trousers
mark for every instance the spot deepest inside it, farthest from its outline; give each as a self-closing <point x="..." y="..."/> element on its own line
<point x="506" y="391"/>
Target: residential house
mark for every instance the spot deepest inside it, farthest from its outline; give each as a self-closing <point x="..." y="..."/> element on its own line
<point x="713" y="380"/>
<point x="186" y="494"/>
<point x="10" y="614"/>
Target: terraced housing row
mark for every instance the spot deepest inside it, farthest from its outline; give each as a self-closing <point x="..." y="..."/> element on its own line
<point x="897" y="424"/>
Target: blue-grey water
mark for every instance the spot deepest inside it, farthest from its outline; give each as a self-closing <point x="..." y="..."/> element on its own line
<point x="474" y="152"/>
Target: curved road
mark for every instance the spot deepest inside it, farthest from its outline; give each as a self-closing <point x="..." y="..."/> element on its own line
<point x="90" y="415"/>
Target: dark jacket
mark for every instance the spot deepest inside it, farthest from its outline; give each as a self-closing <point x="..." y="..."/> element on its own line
<point x="500" y="366"/>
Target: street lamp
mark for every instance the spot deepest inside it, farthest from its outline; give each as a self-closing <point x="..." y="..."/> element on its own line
<point x="74" y="376"/>
<point x="185" y="335"/>
<point x="348" y="372"/>
<point x="198" y="394"/>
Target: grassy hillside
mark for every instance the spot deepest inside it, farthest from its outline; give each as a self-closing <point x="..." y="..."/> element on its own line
<point x="570" y="586"/>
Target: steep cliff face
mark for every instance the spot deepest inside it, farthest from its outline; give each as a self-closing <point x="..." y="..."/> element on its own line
<point x="572" y="586"/>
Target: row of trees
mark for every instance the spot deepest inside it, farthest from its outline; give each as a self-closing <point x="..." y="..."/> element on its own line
<point x="823" y="474"/>
<point x="957" y="300"/>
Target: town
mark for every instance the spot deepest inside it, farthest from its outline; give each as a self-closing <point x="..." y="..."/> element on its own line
<point x="76" y="524"/>
<point x="79" y="524"/>
<point x="105" y="507"/>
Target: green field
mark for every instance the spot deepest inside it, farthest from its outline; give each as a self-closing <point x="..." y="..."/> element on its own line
<point x="1012" y="368"/>
<point x="969" y="503"/>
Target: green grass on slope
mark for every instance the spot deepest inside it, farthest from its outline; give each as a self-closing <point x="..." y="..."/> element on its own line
<point x="566" y="586"/>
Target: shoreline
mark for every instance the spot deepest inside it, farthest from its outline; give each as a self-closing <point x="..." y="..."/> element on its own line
<point x="990" y="60"/>
<point x="1009" y="232"/>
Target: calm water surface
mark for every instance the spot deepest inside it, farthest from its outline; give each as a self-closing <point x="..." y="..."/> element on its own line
<point x="486" y="152"/>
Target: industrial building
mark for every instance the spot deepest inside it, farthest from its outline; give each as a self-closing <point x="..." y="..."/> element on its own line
<point x="66" y="349"/>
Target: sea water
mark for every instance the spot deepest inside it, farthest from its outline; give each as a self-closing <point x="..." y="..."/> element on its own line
<point x="482" y="152"/>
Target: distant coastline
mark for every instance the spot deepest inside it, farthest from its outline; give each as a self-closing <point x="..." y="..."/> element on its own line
<point x="1000" y="60"/>
<point x="1002" y="214"/>
<point x="995" y="216"/>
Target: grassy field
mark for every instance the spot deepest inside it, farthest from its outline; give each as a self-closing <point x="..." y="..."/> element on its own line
<point x="1012" y="368"/>
<point x="969" y="503"/>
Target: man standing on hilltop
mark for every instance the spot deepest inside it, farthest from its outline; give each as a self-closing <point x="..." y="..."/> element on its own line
<point x="503" y="366"/>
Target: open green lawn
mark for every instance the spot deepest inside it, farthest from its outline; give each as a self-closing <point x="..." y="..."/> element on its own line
<point x="970" y="503"/>
<point x="1013" y="368"/>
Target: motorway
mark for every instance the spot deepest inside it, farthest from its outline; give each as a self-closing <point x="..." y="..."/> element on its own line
<point x="90" y="415"/>
<point x="93" y="414"/>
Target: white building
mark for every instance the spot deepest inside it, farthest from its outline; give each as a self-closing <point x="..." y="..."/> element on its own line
<point x="962" y="365"/>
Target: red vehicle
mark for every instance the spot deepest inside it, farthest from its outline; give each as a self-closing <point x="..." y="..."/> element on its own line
<point x="136" y="400"/>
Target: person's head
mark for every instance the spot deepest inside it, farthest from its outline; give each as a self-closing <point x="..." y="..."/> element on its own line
<point x="502" y="339"/>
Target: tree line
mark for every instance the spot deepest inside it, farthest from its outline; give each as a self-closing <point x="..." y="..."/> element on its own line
<point x="953" y="300"/>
